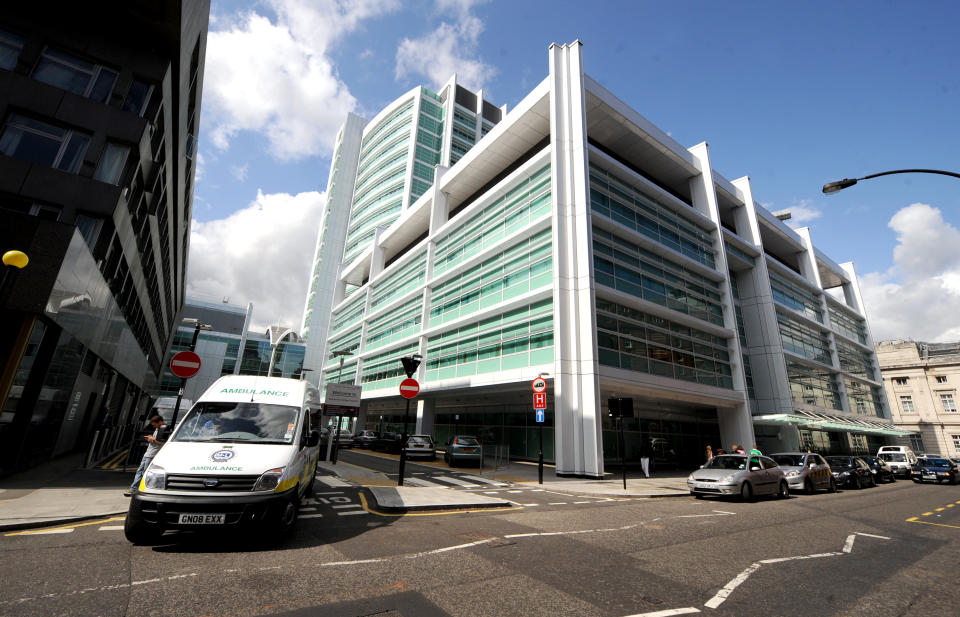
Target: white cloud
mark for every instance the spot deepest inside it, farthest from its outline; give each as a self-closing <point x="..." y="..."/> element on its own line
<point x="447" y="50"/>
<point x="240" y="171"/>
<point x="259" y="254"/>
<point x="276" y="79"/>
<point x="801" y="213"/>
<point x="919" y="297"/>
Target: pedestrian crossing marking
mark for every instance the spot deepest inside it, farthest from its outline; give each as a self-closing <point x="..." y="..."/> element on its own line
<point x="332" y="481"/>
<point x="424" y="483"/>
<point x="455" y="481"/>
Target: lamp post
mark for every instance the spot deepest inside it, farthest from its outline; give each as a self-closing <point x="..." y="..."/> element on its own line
<point x="410" y="364"/>
<point x="333" y="441"/>
<point x="197" y="327"/>
<point x="839" y="185"/>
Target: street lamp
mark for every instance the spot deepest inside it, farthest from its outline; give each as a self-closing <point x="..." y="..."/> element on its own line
<point x="197" y="327"/>
<point x="410" y="365"/>
<point x="839" y="185"/>
<point x="334" y="443"/>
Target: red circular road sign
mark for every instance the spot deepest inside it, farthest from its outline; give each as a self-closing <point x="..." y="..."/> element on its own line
<point x="539" y="385"/>
<point x="409" y="388"/>
<point x="185" y="364"/>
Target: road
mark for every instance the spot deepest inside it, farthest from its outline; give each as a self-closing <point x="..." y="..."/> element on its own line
<point x="890" y="550"/>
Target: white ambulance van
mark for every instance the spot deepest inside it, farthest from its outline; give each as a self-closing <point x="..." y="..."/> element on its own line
<point x="243" y="456"/>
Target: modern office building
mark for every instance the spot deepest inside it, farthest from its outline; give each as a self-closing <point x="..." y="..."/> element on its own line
<point x="921" y="383"/>
<point x="379" y="169"/>
<point x="229" y="347"/>
<point x="99" y="112"/>
<point x="578" y="242"/>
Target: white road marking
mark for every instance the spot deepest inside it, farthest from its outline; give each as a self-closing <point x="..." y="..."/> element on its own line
<point x="668" y="613"/>
<point x="485" y="480"/>
<point x="557" y="503"/>
<point x="110" y="528"/>
<point x="311" y="515"/>
<point x="724" y="593"/>
<point x="456" y="481"/>
<point x="308" y="509"/>
<point x="570" y="533"/>
<point x="330" y="493"/>
<point x="78" y="592"/>
<point x="579" y="502"/>
<point x="723" y="512"/>
<point x="352" y="512"/>
<point x="346" y="505"/>
<point x="332" y="482"/>
<point x="529" y="505"/>
<point x="50" y="531"/>
<point x="426" y="483"/>
<point x="491" y="492"/>
<point x="870" y="535"/>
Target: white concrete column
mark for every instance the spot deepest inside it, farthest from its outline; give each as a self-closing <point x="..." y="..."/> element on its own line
<point x="426" y="410"/>
<point x="578" y="437"/>
<point x="764" y="346"/>
<point x="736" y="424"/>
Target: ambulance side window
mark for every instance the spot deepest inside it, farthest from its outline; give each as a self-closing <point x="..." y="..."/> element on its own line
<point x="304" y="428"/>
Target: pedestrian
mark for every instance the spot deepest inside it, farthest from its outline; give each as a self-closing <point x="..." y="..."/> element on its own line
<point x="107" y="418"/>
<point x="645" y="457"/>
<point x="156" y="422"/>
<point x="738" y="449"/>
<point x="709" y="453"/>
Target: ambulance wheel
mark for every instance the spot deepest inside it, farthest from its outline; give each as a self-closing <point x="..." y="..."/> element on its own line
<point x="288" y="518"/>
<point x="140" y="533"/>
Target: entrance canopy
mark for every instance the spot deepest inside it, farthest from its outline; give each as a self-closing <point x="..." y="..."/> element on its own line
<point x="810" y="419"/>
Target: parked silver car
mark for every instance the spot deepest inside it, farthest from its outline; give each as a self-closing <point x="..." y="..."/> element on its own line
<point x="805" y="471"/>
<point x="739" y="474"/>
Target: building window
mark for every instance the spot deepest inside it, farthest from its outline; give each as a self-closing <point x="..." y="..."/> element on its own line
<point x="138" y="97"/>
<point x="10" y="46"/>
<point x="114" y="158"/>
<point x="916" y="443"/>
<point x="901" y="381"/>
<point x="949" y="405"/>
<point x="66" y="71"/>
<point x="956" y="443"/>
<point x="39" y="142"/>
<point x="89" y="228"/>
<point x="941" y="379"/>
<point x="906" y="404"/>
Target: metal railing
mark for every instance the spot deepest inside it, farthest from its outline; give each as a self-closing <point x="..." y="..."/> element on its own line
<point x="494" y="457"/>
<point x="108" y="441"/>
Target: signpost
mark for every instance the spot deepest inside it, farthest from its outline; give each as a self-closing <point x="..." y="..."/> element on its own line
<point x="409" y="388"/>
<point x="539" y="387"/>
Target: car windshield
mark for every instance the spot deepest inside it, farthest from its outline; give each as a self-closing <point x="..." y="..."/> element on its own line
<point x="895" y="457"/>
<point x="466" y="441"/>
<point x="416" y="439"/>
<point x="839" y="461"/>
<point x="725" y="461"/>
<point x="871" y="460"/>
<point x="788" y="460"/>
<point x="937" y="462"/>
<point x="239" y="422"/>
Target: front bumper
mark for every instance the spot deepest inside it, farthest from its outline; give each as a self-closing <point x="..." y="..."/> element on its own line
<point x="163" y="511"/>
<point x="712" y="488"/>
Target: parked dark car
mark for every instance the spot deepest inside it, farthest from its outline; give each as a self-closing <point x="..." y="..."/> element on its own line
<point x="935" y="470"/>
<point x="881" y="471"/>
<point x="462" y="449"/>
<point x="851" y="472"/>
<point x="387" y="442"/>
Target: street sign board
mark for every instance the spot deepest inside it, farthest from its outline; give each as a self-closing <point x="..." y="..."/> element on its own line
<point x="185" y="364"/>
<point x="539" y="384"/>
<point x="343" y="394"/>
<point x="539" y="400"/>
<point x="409" y="388"/>
<point x="540" y="414"/>
<point x="340" y="410"/>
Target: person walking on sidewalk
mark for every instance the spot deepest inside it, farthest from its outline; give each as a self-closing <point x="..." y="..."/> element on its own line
<point x="156" y="422"/>
<point x="645" y="457"/>
<point x="709" y="453"/>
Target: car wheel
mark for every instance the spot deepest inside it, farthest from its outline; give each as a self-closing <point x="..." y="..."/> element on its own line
<point x="746" y="492"/>
<point x="833" y="485"/>
<point x="784" y="491"/>
<point x="893" y="478"/>
<point x="288" y="518"/>
<point x="141" y="533"/>
<point x="808" y="486"/>
<point x="697" y="495"/>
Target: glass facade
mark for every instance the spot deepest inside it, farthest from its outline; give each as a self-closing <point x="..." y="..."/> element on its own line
<point x="812" y="386"/>
<point x="849" y="326"/>
<point x="797" y="338"/>
<point x="632" y="340"/>
<point x="796" y="297"/>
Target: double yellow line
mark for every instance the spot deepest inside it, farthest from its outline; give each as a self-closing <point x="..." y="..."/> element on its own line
<point x="916" y="519"/>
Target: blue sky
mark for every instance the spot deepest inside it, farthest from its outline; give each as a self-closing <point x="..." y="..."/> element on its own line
<point x="792" y="95"/>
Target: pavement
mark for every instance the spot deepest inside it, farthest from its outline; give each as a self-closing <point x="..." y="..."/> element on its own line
<point x="62" y="491"/>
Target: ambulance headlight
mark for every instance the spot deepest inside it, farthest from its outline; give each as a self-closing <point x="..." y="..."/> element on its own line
<point x="269" y="480"/>
<point x="155" y="477"/>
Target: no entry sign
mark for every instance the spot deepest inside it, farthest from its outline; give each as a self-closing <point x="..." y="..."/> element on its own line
<point x="409" y="388"/>
<point x="185" y="364"/>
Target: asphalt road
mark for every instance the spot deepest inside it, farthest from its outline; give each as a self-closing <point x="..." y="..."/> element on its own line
<point x="890" y="550"/>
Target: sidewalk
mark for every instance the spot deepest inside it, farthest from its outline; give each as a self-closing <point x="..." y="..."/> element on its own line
<point x="62" y="491"/>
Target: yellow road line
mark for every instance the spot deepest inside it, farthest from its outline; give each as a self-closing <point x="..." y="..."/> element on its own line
<point x="33" y="532"/>
<point x="115" y="461"/>
<point x="913" y="520"/>
<point x="940" y="509"/>
<point x="926" y="514"/>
